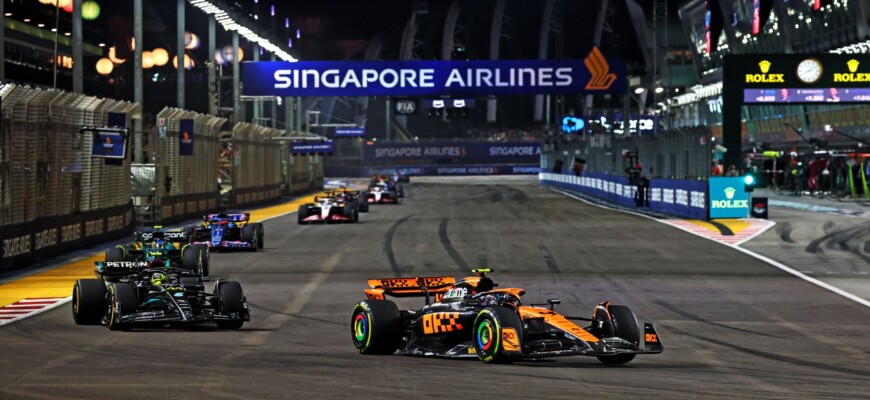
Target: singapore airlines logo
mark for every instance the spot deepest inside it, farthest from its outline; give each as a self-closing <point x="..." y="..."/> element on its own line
<point x="185" y="138"/>
<point x="729" y="192"/>
<point x="602" y="78"/>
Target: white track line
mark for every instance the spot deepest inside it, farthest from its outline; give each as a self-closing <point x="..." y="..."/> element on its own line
<point x="760" y="257"/>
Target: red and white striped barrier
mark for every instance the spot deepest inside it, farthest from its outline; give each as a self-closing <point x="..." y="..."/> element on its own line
<point x="28" y="308"/>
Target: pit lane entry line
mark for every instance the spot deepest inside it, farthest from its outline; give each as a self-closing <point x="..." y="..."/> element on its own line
<point x="57" y="282"/>
<point x="753" y="254"/>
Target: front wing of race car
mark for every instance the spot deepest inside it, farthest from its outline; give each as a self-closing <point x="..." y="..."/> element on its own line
<point x="555" y="346"/>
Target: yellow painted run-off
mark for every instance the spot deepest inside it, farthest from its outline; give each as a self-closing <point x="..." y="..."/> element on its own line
<point x="735" y="225"/>
<point x="58" y="281"/>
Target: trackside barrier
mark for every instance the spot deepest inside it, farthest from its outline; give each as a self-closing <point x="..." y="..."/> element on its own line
<point x="53" y="195"/>
<point x="681" y="198"/>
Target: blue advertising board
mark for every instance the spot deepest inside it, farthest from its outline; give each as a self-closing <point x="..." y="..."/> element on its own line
<point x="350" y="132"/>
<point x="109" y="144"/>
<point x="728" y="198"/>
<point x="595" y="74"/>
<point x="685" y="198"/>
<point x="471" y="152"/>
<point x="305" y="148"/>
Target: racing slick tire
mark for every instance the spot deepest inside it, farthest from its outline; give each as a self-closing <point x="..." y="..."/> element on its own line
<point x="114" y="254"/>
<point x="192" y="259"/>
<point x="88" y="301"/>
<point x="351" y="212"/>
<point x="376" y="327"/>
<point x="302" y="214"/>
<point x="231" y="299"/>
<point x="498" y="335"/>
<point x="363" y="205"/>
<point x="625" y="327"/>
<point x="260" y="233"/>
<point x="128" y="298"/>
<point x="249" y="235"/>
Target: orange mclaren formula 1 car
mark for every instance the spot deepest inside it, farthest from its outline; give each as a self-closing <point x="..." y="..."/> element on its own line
<point x="473" y="318"/>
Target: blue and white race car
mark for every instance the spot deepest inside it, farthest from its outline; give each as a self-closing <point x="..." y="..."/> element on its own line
<point x="228" y="231"/>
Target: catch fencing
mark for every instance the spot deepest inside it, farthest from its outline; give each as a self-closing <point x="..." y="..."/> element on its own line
<point x="262" y="168"/>
<point x="53" y="195"/>
<point x="684" y="153"/>
<point x="179" y="186"/>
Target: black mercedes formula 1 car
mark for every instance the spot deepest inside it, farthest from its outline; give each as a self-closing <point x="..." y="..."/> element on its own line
<point x="158" y="298"/>
<point x="473" y="318"/>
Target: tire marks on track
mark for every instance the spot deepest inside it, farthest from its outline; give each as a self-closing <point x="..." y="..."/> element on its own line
<point x="552" y="265"/>
<point x="388" y="246"/>
<point x="445" y="241"/>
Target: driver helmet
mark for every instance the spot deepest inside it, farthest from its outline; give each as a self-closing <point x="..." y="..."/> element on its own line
<point x="158" y="278"/>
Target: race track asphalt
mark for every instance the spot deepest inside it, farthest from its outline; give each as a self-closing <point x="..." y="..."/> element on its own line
<point x="732" y="326"/>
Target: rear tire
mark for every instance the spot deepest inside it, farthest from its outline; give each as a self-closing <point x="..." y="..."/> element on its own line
<point x="625" y="327"/>
<point x="88" y="301"/>
<point x="376" y="327"/>
<point x="128" y="298"/>
<point x="231" y="300"/>
<point x="492" y="336"/>
<point x="114" y="254"/>
<point x="351" y="212"/>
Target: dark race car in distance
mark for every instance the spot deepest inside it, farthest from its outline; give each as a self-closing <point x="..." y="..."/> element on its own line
<point x="228" y="231"/>
<point x="154" y="248"/>
<point x="354" y="197"/>
<point x="473" y="318"/>
<point x="327" y="209"/>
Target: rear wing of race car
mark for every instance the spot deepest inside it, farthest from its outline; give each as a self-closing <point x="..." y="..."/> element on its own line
<point x="409" y="287"/>
<point x="174" y="236"/>
<point x="230" y="217"/>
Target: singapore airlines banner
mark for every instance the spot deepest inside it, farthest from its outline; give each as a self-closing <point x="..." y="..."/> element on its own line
<point x="595" y="74"/>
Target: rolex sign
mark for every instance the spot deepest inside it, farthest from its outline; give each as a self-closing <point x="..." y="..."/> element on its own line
<point x="728" y="199"/>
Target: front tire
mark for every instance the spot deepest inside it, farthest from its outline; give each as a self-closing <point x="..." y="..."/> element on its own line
<point x="625" y="327"/>
<point x="498" y="335"/>
<point x="302" y="214"/>
<point x="231" y="300"/>
<point x="88" y="301"/>
<point x="260" y="234"/>
<point x="376" y="327"/>
<point x="249" y="235"/>
<point x="128" y="301"/>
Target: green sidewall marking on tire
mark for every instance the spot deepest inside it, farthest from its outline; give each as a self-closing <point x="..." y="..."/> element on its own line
<point x="368" y="336"/>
